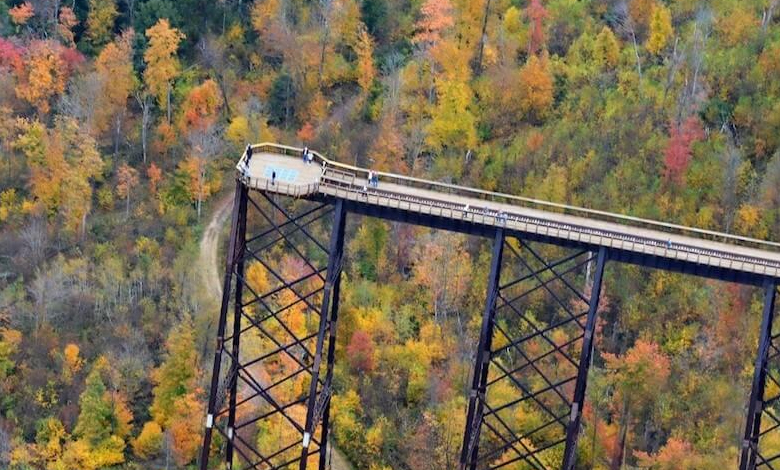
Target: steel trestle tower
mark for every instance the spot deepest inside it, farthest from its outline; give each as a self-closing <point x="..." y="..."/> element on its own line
<point x="271" y="383"/>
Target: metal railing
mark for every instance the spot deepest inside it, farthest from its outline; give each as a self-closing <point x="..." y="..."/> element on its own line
<point x="362" y="173"/>
<point x="484" y="215"/>
<point x="289" y="189"/>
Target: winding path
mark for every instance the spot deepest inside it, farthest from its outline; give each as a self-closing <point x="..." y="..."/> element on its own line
<point x="209" y="247"/>
<point x="212" y="281"/>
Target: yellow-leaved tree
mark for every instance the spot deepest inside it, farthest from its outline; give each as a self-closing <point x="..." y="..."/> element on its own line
<point x="365" y="70"/>
<point x="162" y="65"/>
<point x="63" y="161"/>
<point x="100" y="21"/>
<point x="149" y="442"/>
<point x="660" y="29"/>
<point x="453" y="125"/>
<point x="606" y="48"/>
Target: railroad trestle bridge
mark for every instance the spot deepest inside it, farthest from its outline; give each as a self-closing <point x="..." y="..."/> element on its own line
<point x="283" y="203"/>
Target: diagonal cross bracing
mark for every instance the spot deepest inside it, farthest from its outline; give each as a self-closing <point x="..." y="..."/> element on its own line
<point x="279" y="284"/>
<point x="533" y="342"/>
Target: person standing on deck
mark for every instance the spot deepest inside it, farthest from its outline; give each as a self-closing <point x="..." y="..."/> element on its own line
<point x="273" y="177"/>
<point x="305" y="154"/>
<point x="248" y="159"/>
<point x="370" y="177"/>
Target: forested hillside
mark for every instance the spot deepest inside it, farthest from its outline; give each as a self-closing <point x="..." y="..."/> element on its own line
<point x="120" y="121"/>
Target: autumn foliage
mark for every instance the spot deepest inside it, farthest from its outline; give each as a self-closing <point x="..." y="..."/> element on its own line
<point x="120" y="125"/>
<point x="162" y="65"/>
<point x="678" y="152"/>
<point x="21" y="14"/>
<point x="360" y="351"/>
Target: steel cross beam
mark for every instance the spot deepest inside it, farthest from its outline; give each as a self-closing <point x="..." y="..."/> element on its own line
<point x="292" y="311"/>
<point x="530" y="330"/>
<point x="753" y="456"/>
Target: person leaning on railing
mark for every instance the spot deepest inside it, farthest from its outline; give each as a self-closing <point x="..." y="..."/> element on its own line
<point x="244" y="165"/>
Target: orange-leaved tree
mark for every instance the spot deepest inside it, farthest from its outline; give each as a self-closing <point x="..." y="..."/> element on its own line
<point x="639" y="376"/>
<point x="127" y="179"/>
<point x="67" y="20"/>
<point x="154" y="173"/>
<point x="366" y="73"/>
<point x="21" y="14"/>
<point x="200" y="109"/>
<point x="436" y="17"/>
<point x="536" y="87"/>
<point x="44" y="75"/>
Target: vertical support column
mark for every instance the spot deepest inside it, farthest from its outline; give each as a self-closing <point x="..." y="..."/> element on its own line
<point x="747" y="460"/>
<point x="469" y="451"/>
<point x="240" y="246"/>
<point x="333" y="276"/>
<point x="573" y="430"/>
<point x="239" y="212"/>
<point x="333" y="321"/>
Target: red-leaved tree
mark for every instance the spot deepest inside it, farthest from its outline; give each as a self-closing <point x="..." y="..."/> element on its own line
<point x="536" y="14"/>
<point x="360" y="352"/>
<point x="678" y="150"/>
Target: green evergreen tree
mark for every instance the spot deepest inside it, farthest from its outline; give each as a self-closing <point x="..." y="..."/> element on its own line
<point x="95" y="420"/>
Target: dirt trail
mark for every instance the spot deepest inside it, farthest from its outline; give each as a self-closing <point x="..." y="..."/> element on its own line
<point x="212" y="269"/>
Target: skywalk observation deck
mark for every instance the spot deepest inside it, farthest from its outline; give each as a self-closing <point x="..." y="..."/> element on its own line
<point x="468" y="210"/>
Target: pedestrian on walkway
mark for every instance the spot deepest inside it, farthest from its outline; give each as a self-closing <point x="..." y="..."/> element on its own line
<point x="305" y="154"/>
<point x="273" y="177"/>
<point x="245" y="163"/>
<point x="370" y="180"/>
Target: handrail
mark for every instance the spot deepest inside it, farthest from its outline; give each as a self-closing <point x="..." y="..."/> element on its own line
<point x="290" y="189"/>
<point x="481" y="194"/>
<point x="500" y="218"/>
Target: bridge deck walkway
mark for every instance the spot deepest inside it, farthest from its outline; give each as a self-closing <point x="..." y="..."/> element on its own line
<point x="296" y="178"/>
